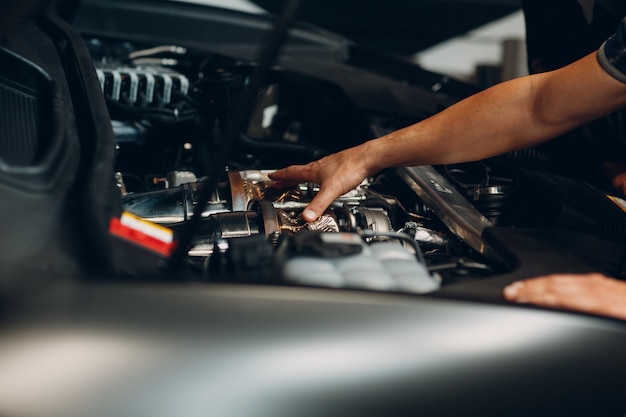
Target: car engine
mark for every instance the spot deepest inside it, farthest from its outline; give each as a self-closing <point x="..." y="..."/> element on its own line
<point x="415" y="228"/>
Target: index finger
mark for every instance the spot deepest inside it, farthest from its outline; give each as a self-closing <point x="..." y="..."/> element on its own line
<point x="293" y="174"/>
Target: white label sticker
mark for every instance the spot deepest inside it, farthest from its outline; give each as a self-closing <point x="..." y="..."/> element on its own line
<point x="154" y="230"/>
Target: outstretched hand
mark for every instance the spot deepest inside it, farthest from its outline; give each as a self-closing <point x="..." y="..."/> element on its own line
<point x="590" y="293"/>
<point x="336" y="174"/>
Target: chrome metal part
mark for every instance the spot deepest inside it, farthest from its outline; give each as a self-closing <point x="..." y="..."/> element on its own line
<point x="173" y="205"/>
<point x="326" y="223"/>
<point x="237" y="191"/>
<point x="454" y="210"/>
<point x="269" y="217"/>
<point x="178" y="178"/>
<point x="376" y="220"/>
<point x="428" y="239"/>
<point x="138" y="85"/>
<point x="237" y="224"/>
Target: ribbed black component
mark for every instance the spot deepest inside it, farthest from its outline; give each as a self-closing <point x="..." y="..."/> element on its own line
<point x="530" y="158"/>
<point x="19" y="118"/>
<point x="614" y="231"/>
<point x="542" y="199"/>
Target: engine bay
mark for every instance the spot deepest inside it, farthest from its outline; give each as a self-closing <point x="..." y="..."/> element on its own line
<point x="411" y="229"/>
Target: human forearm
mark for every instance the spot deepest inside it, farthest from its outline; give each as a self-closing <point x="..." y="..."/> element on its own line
<point x="486" y="124"/>
<point x="512" y="115"/>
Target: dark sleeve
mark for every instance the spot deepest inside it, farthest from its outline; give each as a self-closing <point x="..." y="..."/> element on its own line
<point x="612" y="53"/>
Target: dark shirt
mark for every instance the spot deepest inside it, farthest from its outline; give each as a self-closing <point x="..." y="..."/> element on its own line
<point x="558" y="33"/>
<point x="612" y="53"/>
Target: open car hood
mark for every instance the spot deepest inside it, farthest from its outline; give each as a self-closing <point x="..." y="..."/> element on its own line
<point x="402" y="28"/>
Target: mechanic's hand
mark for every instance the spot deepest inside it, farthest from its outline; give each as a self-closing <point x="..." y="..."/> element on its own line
<point x="591" y="293"/>
<point x="336" y="174"/>
<point x="617" y="172"/>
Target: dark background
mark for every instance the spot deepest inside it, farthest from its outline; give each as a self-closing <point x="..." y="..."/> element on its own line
<point x="399" y="27"/>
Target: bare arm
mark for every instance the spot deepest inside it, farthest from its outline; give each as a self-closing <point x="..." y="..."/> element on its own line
<point x="513" y="115"/>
